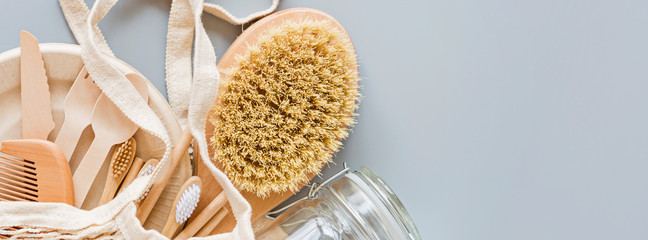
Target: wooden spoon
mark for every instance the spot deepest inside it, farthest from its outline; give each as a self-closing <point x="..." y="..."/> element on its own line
<point x="249" y="37"/>
<point x="78" y="106"/>
<point x="111" y="127"/>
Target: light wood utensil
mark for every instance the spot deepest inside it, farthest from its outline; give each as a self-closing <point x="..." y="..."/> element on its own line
<point x="212" y="223"/>
<point x="78" y="106"/>
<point x="250" y="37"/>
<point x="111" y="127"/>
<point x="37" y="120"/>
<point x="132" y="173"/>
<point x="120" y="164"/>
<point x="201" y="219"/>
<point x="34" y="170"/>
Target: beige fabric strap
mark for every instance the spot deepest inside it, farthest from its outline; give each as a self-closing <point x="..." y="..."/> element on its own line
<point x="222" y="13"/>
<point x="76" y="15"/>
<point x="201" y="86"/>
<point x="179" y="84"/>
<point x="95" y="54"/>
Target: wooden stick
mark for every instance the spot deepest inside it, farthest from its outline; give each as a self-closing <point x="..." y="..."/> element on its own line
<point x="211" y="225"/>
<point x="132" y="173"/>
<point x="156" y="190"/>
<point x="205" y="215"/>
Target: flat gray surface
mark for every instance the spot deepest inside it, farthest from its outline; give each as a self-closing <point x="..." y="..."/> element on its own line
<point x="490" y="119"/>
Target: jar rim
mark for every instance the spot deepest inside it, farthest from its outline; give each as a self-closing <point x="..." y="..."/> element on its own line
<point x="390" y="200"/>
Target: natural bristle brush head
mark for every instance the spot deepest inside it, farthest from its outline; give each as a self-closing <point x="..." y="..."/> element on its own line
<point x="285" y="107"/>
<point x="120" y="162"/>
<point x="183" y="206"/>
<point x="122" y="158"/>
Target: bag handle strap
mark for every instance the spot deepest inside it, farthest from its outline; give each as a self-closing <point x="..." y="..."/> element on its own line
<point x="96" y="56"/>
<point x="178" y="50"/>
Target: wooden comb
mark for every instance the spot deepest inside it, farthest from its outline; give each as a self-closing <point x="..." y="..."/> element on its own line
<point x="36" y="171"/>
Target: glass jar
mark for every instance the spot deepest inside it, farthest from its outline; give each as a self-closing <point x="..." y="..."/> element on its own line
<point x="359" y="205"/>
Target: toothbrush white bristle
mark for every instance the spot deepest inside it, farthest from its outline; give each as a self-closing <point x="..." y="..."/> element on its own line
<point x="187" y="203"/>
<point x="147" y="170"/>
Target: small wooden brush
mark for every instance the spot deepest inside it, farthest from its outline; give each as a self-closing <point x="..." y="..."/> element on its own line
<point x="183" y="206"/>
<point x="120" y="163"/>
<point x="35" y="171"/>
<point x="205" y="216"/>
<point x="132" y="173"/>
<point x="146" y="170"/>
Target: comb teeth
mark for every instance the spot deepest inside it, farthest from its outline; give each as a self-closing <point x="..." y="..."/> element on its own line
<point x="124" y="156"/>
<point x="18" y="180"/>
<point x="187" y="203"/>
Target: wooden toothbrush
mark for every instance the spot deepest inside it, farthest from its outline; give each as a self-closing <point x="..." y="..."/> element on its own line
<point x="132" y="173"/>
<point x="147" y="169"/>
<point x="183" y="206"/>
<point x="147" y="204"/>
<point x="34" y="170"/>
<point x="201" y="221"/>
<point x="120" y="164"/>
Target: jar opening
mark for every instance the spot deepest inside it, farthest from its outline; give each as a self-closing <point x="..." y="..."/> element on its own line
<point x="390" y="201"/>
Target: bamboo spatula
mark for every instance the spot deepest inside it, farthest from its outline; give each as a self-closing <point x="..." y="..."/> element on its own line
<point x="34" y="170"/>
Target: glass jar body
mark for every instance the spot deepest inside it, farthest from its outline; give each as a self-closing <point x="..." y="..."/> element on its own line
<point x="359" y="205"/>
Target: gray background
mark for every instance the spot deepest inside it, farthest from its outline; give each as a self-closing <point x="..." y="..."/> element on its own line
<point x="490" y="119"/>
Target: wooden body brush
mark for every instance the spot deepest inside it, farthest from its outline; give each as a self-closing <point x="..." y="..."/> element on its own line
<point x="36" y="170"/>
<point x="289" y="87"/>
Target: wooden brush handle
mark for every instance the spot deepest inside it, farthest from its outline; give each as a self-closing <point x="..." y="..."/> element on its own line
<point x="212" y="224"/>
<point x="156" y="190"/>
<point x="109" y="190"/>
<point x="132" y="173"/>
<point x="205" y="215"/>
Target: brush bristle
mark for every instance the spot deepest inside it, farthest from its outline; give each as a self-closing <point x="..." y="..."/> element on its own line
<point x="124" y="154"/>
<point x="187" y="203"/>
<point x="145" y="171"/>
<point x="286" y="106"/>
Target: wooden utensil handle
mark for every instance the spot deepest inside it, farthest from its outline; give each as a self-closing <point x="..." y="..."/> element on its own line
<point x="212" y="223"/>
<point x="88" y="169"/>
<point x="156" y="190"/>
<point x="203" y="217"/>
<point x="69" y="135"/>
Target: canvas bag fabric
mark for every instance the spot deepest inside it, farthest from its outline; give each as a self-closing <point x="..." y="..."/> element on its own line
<point x="191" y="88"/>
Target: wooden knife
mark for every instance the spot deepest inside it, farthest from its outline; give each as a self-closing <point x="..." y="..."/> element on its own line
<point x="36" y="106"/>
